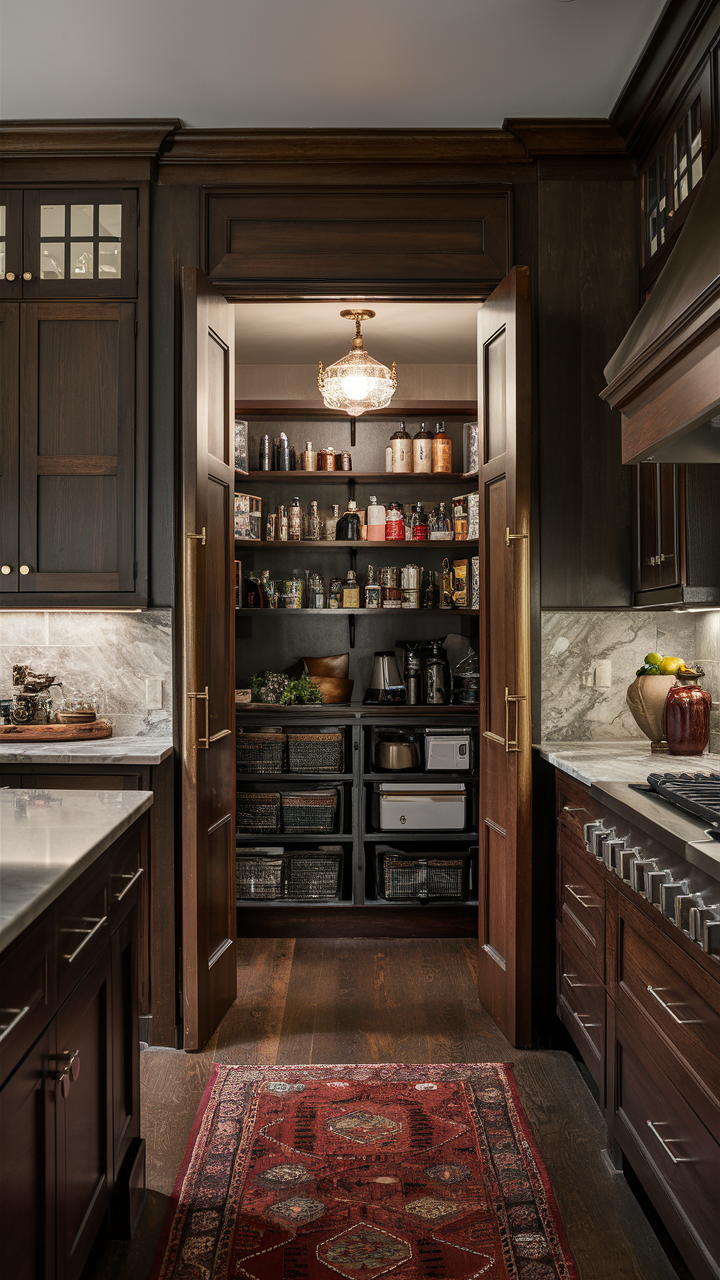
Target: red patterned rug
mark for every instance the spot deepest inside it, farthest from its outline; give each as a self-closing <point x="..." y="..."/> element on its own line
<point x="412" y="1172"/>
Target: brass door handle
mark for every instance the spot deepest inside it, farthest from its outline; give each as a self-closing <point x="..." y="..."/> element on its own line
<point x="512" y="697"/>
<point x="27" y="275"/>
<point x="205" y="697"/>
<point x="9" y="275"/>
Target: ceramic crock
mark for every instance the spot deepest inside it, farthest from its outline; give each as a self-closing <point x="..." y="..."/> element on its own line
<point x="687" y="720"/>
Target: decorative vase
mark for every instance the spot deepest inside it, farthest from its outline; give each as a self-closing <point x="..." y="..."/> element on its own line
<point x="646" y="698"/>
<point x="687" y="718"/>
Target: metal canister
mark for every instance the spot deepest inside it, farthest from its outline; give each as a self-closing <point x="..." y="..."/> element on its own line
<point x="322" y="459"/>
<point x="265" y="453"/>
<point x="330" y="461"/>
<point x="345" y="461"/>
<point x="410" y="576"/>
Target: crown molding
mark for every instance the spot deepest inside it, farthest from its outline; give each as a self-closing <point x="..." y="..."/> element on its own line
<point x="566" y="137"/>
<point x="389" y="146"/>
<point x="30" y="139"/>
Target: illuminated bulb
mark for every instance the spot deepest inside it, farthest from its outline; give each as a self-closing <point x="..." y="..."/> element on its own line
<point x="357" y="382"/>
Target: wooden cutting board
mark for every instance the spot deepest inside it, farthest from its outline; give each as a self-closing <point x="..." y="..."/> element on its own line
<point x="55" y="732"/>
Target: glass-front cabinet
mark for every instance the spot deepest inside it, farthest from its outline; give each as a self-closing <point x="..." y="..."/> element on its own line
<point x="68" y="244"/>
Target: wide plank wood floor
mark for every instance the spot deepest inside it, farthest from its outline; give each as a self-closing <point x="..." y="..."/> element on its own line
<point x="367" y="1000"/>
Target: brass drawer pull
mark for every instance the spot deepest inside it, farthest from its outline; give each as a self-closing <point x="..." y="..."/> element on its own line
<point x="19" y="1014"/>
<point x="89" y="933"/>
<point x="131" y="877"/>
<point x="585" y="1025"/>
<point x="665" y="1143"/>
<point x="682" y="1022"/>
<point x="581" y="898"/>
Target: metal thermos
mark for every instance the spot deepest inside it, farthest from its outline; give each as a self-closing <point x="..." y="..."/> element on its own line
<point x="437" y="683"/>
<point x="413" y="674"/>
<point x="265" y="453"/>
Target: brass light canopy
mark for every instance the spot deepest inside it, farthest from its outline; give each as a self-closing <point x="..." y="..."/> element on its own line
<point x="357" y="382"/>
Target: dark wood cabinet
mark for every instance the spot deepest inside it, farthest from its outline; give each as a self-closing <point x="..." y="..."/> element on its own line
<point x="27" y="1192"/>
<point x="677" y="527"/>
<point x="72" y="463"/>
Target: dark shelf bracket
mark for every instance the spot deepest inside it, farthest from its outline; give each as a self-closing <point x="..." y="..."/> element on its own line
<point x="351" y="630"/>
<point x="353" y="441"/>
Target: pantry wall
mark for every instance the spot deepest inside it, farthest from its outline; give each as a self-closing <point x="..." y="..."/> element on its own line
<point x="304" y="878"/>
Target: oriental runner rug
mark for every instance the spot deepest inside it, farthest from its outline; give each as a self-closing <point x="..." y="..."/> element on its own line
<point x="408" y="1172"/>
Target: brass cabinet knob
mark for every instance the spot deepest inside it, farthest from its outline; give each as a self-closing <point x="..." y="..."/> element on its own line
<point x="27" y="275"/>
<point x="24" y="569"/>
<point x="9" y="275"/>
<point x="5" y="568"/>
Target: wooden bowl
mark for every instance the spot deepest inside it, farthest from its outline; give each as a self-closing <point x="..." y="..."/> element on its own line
<point x="333" y="689"/>
<point x="337" y="665"/>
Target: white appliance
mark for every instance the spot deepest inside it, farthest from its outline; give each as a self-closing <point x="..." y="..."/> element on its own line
<point x="447" y="749"/>
<point x="420" y="806"/>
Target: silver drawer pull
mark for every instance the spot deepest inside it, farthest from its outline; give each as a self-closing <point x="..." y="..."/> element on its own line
<point x="19" y="1014"/>
<point x="573" y="808"/>
<point x="568" y="978"/>
<point x="665" y="1143"/>
<point x="585" y="1025"/>
<point x="89" y="933"/>
<point x="583" y="899"/>
<point x="131" y="877"/>
<point x="682" y="1022"/>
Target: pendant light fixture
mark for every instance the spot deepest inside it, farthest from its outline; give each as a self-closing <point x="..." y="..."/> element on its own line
<point x="357" y="382"/>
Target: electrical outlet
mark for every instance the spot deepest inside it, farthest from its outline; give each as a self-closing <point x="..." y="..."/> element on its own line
<point x="153" y="693"/>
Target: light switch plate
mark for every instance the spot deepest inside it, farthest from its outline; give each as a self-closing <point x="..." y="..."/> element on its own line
<point x="603" y="674"/>
<point x="153" y="693"/>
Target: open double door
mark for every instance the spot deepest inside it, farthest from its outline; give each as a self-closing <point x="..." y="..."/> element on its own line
<point x="207" y="683"/>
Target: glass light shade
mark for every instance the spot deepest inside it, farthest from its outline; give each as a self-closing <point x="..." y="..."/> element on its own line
<point x="357" y="382"/>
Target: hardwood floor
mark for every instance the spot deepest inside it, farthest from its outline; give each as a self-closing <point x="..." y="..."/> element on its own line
<point x="369" y="1000"/>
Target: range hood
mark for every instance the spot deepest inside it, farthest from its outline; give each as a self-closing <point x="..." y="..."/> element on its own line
<point x="665" y="375"/>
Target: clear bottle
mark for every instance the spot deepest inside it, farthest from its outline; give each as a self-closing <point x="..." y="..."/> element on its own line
<point x="418" y="524"/>
<point x="372" y="590"/>
<point x="313" y="531"/>
<point x="295" y="521"/>
<point x="422" y="447"/>
<point x="401" y="445"/>
<point x="441" y="449"/>
<point x="440" y="527"/>
<point x="282" y="523"/>
<point x="317" y="592"/>
<point x="375" y="521"/>
<point x="388" y="459"/>
<point x="335" y="593"/>
<point x="394" y="524"/>
<point x="331" y="523"/>
<point x="351" y="591"/>
<point x="309" y="457"/>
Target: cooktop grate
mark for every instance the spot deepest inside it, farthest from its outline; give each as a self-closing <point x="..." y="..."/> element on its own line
<point x="696" y="793"/>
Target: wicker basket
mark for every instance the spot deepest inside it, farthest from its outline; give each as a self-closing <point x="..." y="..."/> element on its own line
<point x="316" y="875"/>
<point x="315" y="752"/>
<point x="309" y="811"/>
<point x="260" y="752"/>
<point x="401" y="877"/>
<point x="257" y="811"/>
<point x="260" y="873"/>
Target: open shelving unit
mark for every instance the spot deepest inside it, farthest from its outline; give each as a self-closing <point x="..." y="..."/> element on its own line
<point x="280" y="643"/>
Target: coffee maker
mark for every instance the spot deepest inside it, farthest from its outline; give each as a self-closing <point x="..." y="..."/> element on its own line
<point x="437" y="680"/>
<point x="385" y="684"/>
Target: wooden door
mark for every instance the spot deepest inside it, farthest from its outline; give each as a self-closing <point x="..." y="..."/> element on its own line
<point x="207" y="682"/>
<point x="504" y="409"/>
<point x="27" y="1167"/>
<point x="9" y="444"/>
<point x="80" y="244"/>
<point x="11" y="247"/>
<point x="77" y="453"/>
<point x="84" y="1117"/>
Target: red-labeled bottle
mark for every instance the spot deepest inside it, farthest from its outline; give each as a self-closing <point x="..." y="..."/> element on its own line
<point x="687" y="717"/>
<point x="394" y="524"/>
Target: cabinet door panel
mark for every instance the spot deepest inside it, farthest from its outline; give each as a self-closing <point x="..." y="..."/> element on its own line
<point x="9" y="440"/>
<point x="126" y="1063"/>
<point x="647" y="501"/>
<point x="11" y="249"/>
<point x="581" y="902"/>
<point x="77" y="465"/>
<point x="671" y="480"/>
<point x="581" y="1006"/>
<point x="84" y="1118"/>
<point x="27" y="1200"/>
<point x="80" y="244"/>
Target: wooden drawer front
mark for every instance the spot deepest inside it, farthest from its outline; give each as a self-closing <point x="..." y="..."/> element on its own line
<point x="679" y="997"/>
<point x="681" y="1153"/>
<point x="581" y="902"/>
<point x="581" y="1006"/>
<point x="574" y="805"/>
<point x="27" y="996"/>
<point x="126" y="877"/>
<point x="75" y="781"/>
<point x="83" y="926"/>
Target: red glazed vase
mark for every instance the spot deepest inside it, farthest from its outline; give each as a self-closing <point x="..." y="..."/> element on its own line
<point x="687" y="720"/>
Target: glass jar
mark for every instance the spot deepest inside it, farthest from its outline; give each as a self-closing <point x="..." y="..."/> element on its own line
<point x="351" y="591"/>
<point x="331" y="523"/>
<point x="401" y="446"/>
<point x="422" y="447"/>
<point x="313" y="531"/>
<point x="295" y="521"/>
<point x="418" y="524"/>
<point x="441" y="450"/>
<point x="394" y="524"/>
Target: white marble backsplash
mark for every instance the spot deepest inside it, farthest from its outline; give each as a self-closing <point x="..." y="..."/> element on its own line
<point x="590" y="658"/>
<point x="105" y="653"/>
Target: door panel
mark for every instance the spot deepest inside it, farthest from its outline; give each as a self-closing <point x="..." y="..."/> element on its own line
<point x="27" y="1170"/>
<point x="207" y="660"/>
<point x="80" y="244"/>
<point x="504" y="397"/>
<point x="11" y="250"/>
<point x="77" y="457"/>
<point x="9" y="443"/>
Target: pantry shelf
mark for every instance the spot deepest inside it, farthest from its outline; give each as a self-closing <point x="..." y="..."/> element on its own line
<point x="357" y="612"/>
<point x="365" y="477"/>
<point x="435" y="543"/>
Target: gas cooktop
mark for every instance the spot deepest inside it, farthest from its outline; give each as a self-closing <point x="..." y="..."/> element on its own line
<point x="695" y="793"/>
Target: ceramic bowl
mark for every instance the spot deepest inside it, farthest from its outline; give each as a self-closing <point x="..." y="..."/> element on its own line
<point x="646" y="700"/>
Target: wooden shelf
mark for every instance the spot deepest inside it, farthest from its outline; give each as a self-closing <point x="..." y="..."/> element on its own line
<point x="287" y="838"/>
<point x="294" y="777"/>
<point x="365" y="477"/>
<point x="437" y="775"/>
<point x="410" y="837"/>
<point x="311" y="409"/>
<point x="360" y="612"/>
<point x="293" y="902"/>
<point x="323" y="545"/>
<point x="416" y="904"/>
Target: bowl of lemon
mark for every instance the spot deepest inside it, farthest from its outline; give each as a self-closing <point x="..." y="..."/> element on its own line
<point x="647" y="694"/>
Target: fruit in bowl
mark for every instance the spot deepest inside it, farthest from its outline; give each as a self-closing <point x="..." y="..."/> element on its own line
<point x="647" y="694"/>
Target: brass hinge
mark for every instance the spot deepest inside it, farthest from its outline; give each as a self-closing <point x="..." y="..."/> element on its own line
<point x="199" y="536"/>
<point x="513" y="537"/>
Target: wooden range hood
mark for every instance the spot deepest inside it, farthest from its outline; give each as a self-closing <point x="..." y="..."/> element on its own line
<point x="665" y="375"/>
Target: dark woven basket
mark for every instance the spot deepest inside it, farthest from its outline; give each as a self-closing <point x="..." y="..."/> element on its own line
<point x="257" y="812"/>
<point x="315" y="752"/>
<point x="260" y="752"/>
<point x="316" y="875"/>
<point x="401" y="878"/>
<point x="309" y="811"/>
<point x="260" y="875"/>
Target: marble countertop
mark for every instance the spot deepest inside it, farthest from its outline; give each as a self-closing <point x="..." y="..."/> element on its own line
<point x="44" y="849"/>
<point x="592" y="762"/>
<point x="119" y="750"/>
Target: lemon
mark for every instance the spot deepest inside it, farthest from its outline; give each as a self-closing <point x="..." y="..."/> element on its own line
<point x="670" y="666"/>
<point x="653" y="659"/>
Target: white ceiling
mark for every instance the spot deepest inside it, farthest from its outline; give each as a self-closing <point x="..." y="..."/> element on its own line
<point x="319" y="63"/>
<point x="305" y="332"/>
